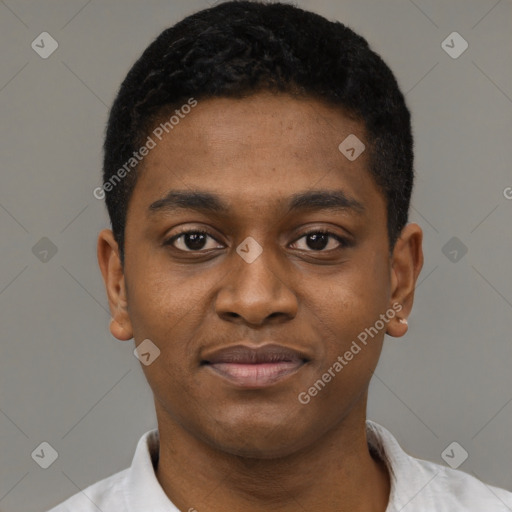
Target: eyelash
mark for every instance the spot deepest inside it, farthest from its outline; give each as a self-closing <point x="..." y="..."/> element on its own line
<point x="342" y="241"/>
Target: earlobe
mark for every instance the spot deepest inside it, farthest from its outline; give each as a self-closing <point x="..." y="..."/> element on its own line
<point x="397" y="327"/>
<point x="118" y="331"/>
<point x="114" y="280"/>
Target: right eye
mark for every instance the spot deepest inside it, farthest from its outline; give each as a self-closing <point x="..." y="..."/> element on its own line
<point x="192" y="240"/>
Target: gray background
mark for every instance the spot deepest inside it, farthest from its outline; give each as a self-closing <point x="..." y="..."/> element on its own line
<point x="65" y="380"/>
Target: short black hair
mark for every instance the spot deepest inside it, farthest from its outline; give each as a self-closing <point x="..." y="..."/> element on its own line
<point x="239" y="48"/>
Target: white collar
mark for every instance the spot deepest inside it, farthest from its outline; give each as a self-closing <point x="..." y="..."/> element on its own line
<point x="422" y="484"/>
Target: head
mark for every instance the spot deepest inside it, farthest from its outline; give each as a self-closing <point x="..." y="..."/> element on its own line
<point x="229" y="126"/>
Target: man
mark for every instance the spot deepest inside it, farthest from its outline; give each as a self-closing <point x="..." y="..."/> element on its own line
<point x="258" y="171"/>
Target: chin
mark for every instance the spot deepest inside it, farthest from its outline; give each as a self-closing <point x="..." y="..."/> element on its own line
<point x="260" y="439"/>
<point x="260" y="448"/>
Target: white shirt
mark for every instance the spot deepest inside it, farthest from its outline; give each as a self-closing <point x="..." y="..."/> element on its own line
<point x="416" y="485"/>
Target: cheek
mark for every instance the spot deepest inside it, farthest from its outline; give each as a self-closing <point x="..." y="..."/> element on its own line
<point x="168" y="319"/>
<point x="168" y="309"/>
<point x="346" y="311"/>
<point x="356" y="295"/>
<point x="158" y="303"/>
<point x="371" y="285"/>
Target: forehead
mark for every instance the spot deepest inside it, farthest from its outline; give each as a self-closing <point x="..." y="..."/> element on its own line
<point x="259" y="149"/>
<point x="222" y="127"/>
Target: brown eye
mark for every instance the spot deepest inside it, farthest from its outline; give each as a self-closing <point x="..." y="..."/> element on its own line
<point x="191" y="241"/>
<point x="319" y="240"/>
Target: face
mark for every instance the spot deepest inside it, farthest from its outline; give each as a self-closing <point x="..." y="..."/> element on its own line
<point x="256" y="254"/>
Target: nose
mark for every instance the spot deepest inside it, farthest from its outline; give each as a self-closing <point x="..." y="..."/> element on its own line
<point x="257" y="292"/>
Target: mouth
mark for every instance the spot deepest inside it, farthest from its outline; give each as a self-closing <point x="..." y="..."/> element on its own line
<point x="258" y="367"/>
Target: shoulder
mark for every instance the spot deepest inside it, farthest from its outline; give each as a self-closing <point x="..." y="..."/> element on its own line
<point x="135" y="483"/>
<point x="106" y="495"/>
<point x="425" y="486"/>
<point x="457" y="490"/>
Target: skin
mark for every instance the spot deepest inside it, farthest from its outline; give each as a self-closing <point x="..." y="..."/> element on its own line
<point x="226" y="448"/>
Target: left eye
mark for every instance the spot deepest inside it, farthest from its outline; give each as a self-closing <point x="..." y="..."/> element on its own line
<point x="319" y="240"/>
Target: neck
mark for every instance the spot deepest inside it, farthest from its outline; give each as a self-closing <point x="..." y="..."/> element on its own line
<point x="335" y="474"/>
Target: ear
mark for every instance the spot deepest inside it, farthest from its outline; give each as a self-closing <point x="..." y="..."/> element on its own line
<point x="406" y="265"/>
<point x="113" y="277"/>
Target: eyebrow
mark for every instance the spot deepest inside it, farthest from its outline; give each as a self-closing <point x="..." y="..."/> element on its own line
<point x="206" y="202"/>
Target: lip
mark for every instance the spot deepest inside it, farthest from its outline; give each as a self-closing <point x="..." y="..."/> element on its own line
<point x="255" y="367"/>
